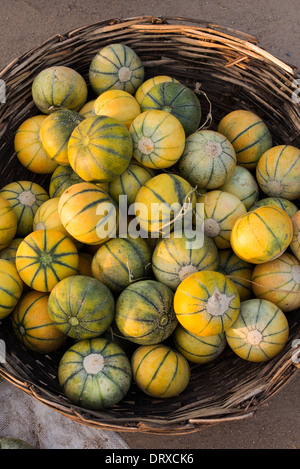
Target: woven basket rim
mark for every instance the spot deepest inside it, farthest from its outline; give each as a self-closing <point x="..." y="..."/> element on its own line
<point x="183" y="42"/>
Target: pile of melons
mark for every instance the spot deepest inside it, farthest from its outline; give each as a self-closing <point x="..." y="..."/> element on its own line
<point x="117" y="287"/>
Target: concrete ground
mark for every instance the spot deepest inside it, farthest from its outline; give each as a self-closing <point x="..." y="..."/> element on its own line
<point x="25" y="24"/>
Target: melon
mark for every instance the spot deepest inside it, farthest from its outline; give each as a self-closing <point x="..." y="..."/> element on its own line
<point x="8" y="222"/>
<point x="243" y="185"/>
<point x="95" y="373"/>
<point x="287" y="205"/>
<point x="149" y="83"/>
<point x="117" y="104"/>
<point x="295" y="243"/>
<point x="61" y="179"/>
<point x="11" y="287"/>
<point x="238" y="270"/>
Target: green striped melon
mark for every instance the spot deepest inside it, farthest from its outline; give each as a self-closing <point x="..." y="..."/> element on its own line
<point x="238" y="270"/>
<point x="61" y="179"/>
<point x="87" y="109"/>
<point x="162" y="203"/>
<point x="11" y="287"/>
<point x="287" y="205"/>
<point x="278" y="281"/>
<point x="158" y="139"/>
<point x="45" y="257"/>
<point x="149" y="83"/>
<point x="100" y="149"/>
<point x="260" y="332"/>
<point x="197" y="349"/>
<point x="295" y="242"/>
<point x="180" y="255"/>
<point x="278" y="172"/>
<point x="81" y="307"/>
<point x="119" y="105"/>
<point x="9" y="253"/>
<point x="178" y="100"/>
<point x="25" y="197"/>
<point x="145" y="313"/>
<point x="8" y="222"/>
<point x="14" y="443"/>
<point x="116" y="66"/>
<point x="221" y="210"/>
<point x="47" y="217"/>
<point x="88" y="213"/>
<point x="243" y="185"/>
<point x="206" y="303"/>
<point x="121" y="261"/>
<point x="33" y="326"/>
<point x="160" y="371"/>
<point x="59" y="87"/>
<point x="28" y="146"/>
<point x="130" y="181"/>
<point x="95" y="373"/>
<point x="55" y="133"/>
<point x="248" y="134"/>
<point x="208" y="159"/>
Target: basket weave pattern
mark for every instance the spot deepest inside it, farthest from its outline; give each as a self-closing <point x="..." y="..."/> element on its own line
<point x="229" y="71"/>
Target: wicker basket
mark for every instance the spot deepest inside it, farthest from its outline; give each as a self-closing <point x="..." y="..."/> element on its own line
<point x="229" y="71"/>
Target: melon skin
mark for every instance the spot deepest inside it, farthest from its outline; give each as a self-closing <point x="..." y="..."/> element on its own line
<point x="248" y="134"/>
<point x="116" y="66"/>
<point x="81" y="307"/>
<point x="148" y="84"/>
<point x="177" y="99"/>
<point x="243" y="185"/>
<point x="208" y="159"/>
<point x="11" y="287"/>
<point x="117" y="104"/>
<point x="59" y="87"/>
<point x="61" y="179"/>
<point x="95" y="373"/>
<point x="14" y="443"/>
<point x="160" y="371"/>
<point x="100" y="149"/>
<point x="260" y="331"/>
<point x="287" y="205"/>
<point x="8" y="223"/>
<point x="295" y="243"/>
<point x="145" y="313"/>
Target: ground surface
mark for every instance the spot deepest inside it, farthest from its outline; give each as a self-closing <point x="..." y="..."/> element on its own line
<point x="25" y="24"/>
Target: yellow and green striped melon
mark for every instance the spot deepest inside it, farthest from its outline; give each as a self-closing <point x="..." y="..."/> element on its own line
<point x="100" y="149"/>
<point x="260" y="331"/>
<point x="262" y="234"/>
<point x="178" y="100"/>
<point x="9" y="253"/>
<point x="221" y="210"/>
<point x="197" y="349"/>
<point x="59" y="87"/>
<point x="160" y="371"/>
<point x="116" y="66"/>
<point x="87" y="109"/>
<point x="33" y="326"/>
<point x="62" y="178"/>
<point x="243" y="185"/>
<point x="121" y="261"/>
<point x="162" y="202"/>
<point x="130" y="181"/>
<point x="278" y="172"/>
<point x="28" y="146"/>
<point x="281" y="202"/>
<point x="95" y="373"/>
<point x="45" y="257"/>
<point x="88" y="213"/>
<point x="248" y="134"/>
<point x="11" y="287"/>
<point x="180" y="255"/>
<point x="8" y="222"/>
<point x="145" y="313"/>
<point x="295" y="243"/>
<point x="206" y="303"/>
<point x="55" y="133"/>
<point x="25" y="197"/>
<point x="47" y="217"/>
<point x="149" y="83"/>
<point x="81" y="307"/>
<point x="208" y="159"/>
<point x="278" y="281"/>
<point x="238" y="270"/>
<point x="158" y="139"/>
<point x="117" y="104"/>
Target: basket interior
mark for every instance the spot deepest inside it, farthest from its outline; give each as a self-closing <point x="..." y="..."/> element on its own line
<point x="228" y="71"/>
